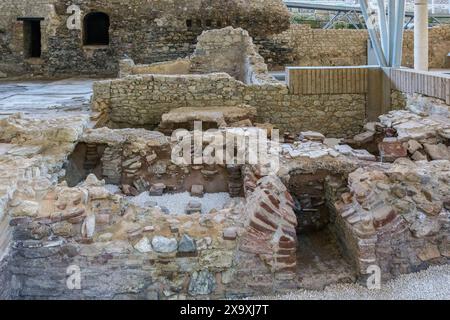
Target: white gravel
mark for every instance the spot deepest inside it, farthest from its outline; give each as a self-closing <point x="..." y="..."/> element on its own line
<point x="430" y="284"/>
<point x="176" y="203"/>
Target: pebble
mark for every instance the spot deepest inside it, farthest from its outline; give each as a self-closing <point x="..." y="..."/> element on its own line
<point x="176" y="203"/>
<point x="430" y="284"/>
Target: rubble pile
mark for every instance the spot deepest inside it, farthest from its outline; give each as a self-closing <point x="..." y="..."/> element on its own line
<point x="419" y="132"/>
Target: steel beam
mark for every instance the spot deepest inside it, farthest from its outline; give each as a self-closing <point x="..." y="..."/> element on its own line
<point x="398" y="33"/>
<point x="383" y="29"/>
<point x="372" y="33"/>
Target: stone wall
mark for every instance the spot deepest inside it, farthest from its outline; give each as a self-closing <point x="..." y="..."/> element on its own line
<point x="418" y="102"/>
<point x="303" y="46"/>
<point x="140" y="101"/>
<point x="400" y="231"/>
<point x="148" y="31"/>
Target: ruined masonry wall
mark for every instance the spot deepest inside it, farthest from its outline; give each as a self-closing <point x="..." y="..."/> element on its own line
<point x="142" y="100"/>
<point x="147" y="31"/>
<point x="303" y="46"/>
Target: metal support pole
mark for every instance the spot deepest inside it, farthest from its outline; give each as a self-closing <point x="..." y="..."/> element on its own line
<point x="383" y="29"/>
<point x="421" y="35"/>
<point x="398" y="33"/>
<point x="372" y="33"/>
<point x="331" y="22"/>
<point x="391" y="25"/>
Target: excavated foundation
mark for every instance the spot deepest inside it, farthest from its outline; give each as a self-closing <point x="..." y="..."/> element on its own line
<point x="322" y="257"/>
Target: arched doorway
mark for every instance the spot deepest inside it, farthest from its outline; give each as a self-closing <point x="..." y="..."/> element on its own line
<point x="96" y="29"/>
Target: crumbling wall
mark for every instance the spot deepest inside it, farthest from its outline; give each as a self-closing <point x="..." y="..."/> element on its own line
<point x="394" y="221"/>
<point x="401" y="100"/>
<point x="231" y="51"/>
<point x="12" y="59"/>
<point x="141" y="100"/>
<point x="303" y="46"/>
<point x="147" y="31"/>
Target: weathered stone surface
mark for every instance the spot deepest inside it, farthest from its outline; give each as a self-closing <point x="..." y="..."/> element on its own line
<point x="197" y="191"/>
<point x="222" y="81"/>
<point x="230" y="233"/>
<point x="365" y="137"/>
<point x="144" y="245"/>
<point x="437" y="152"/>
<point x="271" y="233"/>
<point x="187" y="245"/>
<point x="193" y="207"/>
<point x="25" y="209"/>
<point x="202" y="283"/>
<point x="430" y="252"/>
<point x="400" y="206"/>
<point x="419" y="156"/>
<point x="392" y="150"/>
<point x="164" y="245"/>
<point x="413" y="146"/>
<point x="157" y="189"/>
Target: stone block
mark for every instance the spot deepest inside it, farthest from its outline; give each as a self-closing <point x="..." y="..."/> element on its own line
<point x="197" y="191"/>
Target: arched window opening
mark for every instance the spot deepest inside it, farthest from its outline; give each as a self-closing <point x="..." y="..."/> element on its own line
<point x="96" y="29"/>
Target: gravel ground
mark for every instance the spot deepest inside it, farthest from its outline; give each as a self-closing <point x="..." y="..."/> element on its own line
<point x="176" y="203"/>
<point x="430" y="284"/>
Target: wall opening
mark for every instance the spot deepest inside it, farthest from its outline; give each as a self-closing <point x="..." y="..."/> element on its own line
<point x="32" y="38"/>
<point x="96" y="29"/>
<point x="319" y="242"/>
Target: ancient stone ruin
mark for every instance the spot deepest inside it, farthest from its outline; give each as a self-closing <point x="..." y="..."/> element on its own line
<point x="102" y="193"/>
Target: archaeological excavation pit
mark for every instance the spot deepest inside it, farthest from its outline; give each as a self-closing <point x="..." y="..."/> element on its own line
<point x="359" y="179"/>
<point x="148" y="178"/>
<point x="322" y="255"/>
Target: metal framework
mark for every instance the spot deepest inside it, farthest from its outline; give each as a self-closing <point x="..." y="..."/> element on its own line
<point x="352" y="13"/>
<point x="351" y="16"/>
<point x="386" y="36"/>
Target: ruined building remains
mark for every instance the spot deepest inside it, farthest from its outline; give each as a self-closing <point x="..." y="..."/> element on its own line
<point x="42" y="37"/>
